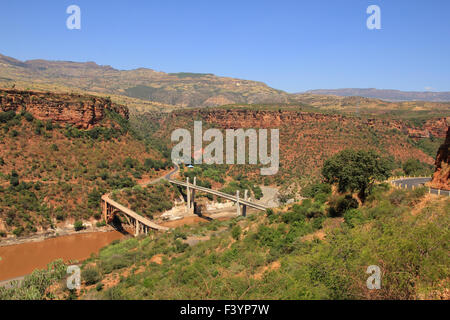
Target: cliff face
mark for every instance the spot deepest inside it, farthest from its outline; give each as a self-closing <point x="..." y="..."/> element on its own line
<point x="441" y="177"/>
<point x="82" y="111"/>
<point x="307" y="139"/>
<point x="245" y="118"/>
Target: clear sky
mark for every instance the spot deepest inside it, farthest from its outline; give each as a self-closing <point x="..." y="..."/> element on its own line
<point x="290" y="45"/>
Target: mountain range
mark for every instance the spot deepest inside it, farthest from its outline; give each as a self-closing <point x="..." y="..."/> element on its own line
<point x="386" y="94"/>
<point x="145" y="89"/>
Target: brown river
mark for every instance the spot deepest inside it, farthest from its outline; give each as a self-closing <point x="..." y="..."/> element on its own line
<point x="21" y="259"/>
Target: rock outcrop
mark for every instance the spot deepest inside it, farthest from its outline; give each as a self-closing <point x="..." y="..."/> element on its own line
<point x="441" y="177"/>
<point x="82" y="111"/>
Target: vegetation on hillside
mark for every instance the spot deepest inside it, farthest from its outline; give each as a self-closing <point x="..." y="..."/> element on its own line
<point x="299" y="254"/>
<point x="51" y="173"/>
<point x="319" y="248"/>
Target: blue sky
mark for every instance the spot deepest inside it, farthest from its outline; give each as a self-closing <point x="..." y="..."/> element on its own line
<point x="290" y="45"/>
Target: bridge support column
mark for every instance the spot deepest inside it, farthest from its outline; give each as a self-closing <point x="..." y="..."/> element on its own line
<point x="246" y="195"/>
<point x="104" y="208"/>
<point x="238" y="205"/>
<point x="188" y="196"/>
<point x="137" y="228"/>
<point x="193" y="197"/>
<point x="244" y="210"/>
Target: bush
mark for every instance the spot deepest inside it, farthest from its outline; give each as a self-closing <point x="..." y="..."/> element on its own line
<point x="14" y="179"/>
<point x="100" y="224"/>
<point x="78" y="225"/>
<point x="340" y="205"/>
<point x="49" y="125"/>
<point x="28" y="116"/>
<point x="413" y="167"/>
<point x="353" y="217"/>
<point x="18" y="231"/>
<point x="236" y="232"/>
<point x="312" y="190"/>
<point x="7" y="116"/>
<point x="91" y="275"/>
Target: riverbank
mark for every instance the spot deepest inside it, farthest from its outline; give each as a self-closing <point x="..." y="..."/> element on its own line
<point x="23" y="258"/>
<point x="49" y="234"/>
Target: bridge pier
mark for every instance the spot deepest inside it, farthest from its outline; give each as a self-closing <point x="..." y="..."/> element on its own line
<point x="238" y="204"/>
<point x="193" y="197"/>
<point x="137" y="228"/>
<point x="190" y="196"/>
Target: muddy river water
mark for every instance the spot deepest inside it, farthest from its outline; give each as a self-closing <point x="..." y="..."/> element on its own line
<point x="21" y="259"/>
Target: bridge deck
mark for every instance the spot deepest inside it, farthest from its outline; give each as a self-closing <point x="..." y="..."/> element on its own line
<point x="220" y="194"/>
<point x="133" y="214"/>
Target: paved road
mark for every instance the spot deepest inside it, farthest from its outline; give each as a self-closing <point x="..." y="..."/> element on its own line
<point x="165" y="177"/>
<point x="417" y="182"/>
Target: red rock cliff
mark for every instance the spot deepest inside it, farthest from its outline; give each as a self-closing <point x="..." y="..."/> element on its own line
<point x="441" y="177"/>
<point x="82" y="111"/>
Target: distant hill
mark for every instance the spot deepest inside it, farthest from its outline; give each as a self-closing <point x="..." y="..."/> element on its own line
<point x="178" y="89"/>
<point x="145" y="90"/>
<point x="389" y="95"/>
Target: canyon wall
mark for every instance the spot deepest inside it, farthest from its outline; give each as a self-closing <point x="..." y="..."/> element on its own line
<point x="82" y="111"/>
<point x="252" y="118"/>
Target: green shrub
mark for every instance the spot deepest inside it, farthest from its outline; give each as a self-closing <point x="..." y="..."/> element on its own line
<point x="340" y="205"/>
<point x="321" y="197"/>
<point x="14" y="179"/>
<point x="312" y="190"/>
<point x="180" y="246"/>
<point x="90" y="275"/>
<point x="353" y="217"/>
<point x="100" y="224"/>
<point x="236" y="232"/>
<point x="7" y="116"/>
<point x="28" y="116"/>
<point x="78" y="225"/>
<point x="18" y="231"/>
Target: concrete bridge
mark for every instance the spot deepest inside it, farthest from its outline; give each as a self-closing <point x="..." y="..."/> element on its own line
<point x="142" y="225"/>
<point x="191" y="188"/>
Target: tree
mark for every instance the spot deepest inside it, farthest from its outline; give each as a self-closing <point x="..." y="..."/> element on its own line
<point x="356" y="170"/>
<point x="14" y="179"/>
<point x="415" y="167"/>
